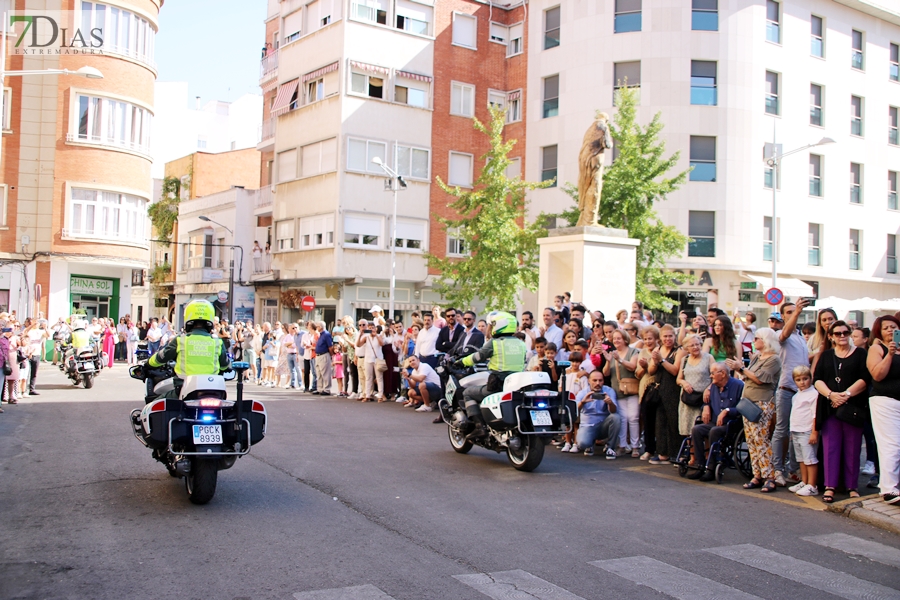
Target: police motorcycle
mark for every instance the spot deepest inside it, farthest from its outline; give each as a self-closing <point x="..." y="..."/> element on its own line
<point x="80" y="360"/>
<point x="519" y="420"/>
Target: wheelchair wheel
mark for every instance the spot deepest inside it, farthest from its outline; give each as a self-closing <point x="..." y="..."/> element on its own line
<point x="682" y="469"/>
<point x="741" y="455"/>
<point x="720" y="472"/>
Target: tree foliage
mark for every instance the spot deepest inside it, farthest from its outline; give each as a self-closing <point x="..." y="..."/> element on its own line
<point x="164" y="212"/>
<point x="502" y="245"/>
<point x="631" y="185"/>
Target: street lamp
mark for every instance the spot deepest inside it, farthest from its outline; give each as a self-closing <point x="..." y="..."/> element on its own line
<point x="774" y="161"/>
<point x="397" y="184"/>
<point x="231" y="265"/>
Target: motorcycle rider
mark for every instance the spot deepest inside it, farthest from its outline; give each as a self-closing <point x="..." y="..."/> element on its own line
<point x="507" y="355"/>
<point x="197" y="352"/>
<point x="76" y="340"/>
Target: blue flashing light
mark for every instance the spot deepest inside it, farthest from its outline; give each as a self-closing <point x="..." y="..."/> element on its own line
<point x="208" y="418"/>
<point x="542" y="405"/>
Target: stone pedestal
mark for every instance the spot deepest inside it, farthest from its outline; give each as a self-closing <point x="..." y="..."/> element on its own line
<point x="596" y="264"/>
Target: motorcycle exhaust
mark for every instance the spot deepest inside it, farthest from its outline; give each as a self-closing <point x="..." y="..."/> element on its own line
<point x="183" y="467"/>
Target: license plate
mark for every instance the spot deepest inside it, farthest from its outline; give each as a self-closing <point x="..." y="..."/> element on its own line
<point x="541" y="417"/>
<point x="207" y="434"/>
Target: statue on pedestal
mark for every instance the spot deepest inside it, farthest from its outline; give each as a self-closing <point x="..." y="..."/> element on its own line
<point x="597" y="140"/>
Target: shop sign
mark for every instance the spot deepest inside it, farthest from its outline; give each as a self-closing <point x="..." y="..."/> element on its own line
<point x="381" y="294"/>
<point x="696" y="298"/>
<point x="704" y="279"/>
<point x="90" y="287"/>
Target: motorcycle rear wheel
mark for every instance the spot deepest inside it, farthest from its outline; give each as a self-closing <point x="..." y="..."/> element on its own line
<point x="200" y="483"/>
<point x="529" y="455"/>
<point x="88" y="381"/>
<point x="458" y="441"/>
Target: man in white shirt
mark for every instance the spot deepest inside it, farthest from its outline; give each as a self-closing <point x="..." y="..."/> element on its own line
<point x="550" y="331"/>
<point x="426" y="342"/>
<point x="424" y="384"/>
<point x="154" y="335"/>
<point x="361" y="362"/>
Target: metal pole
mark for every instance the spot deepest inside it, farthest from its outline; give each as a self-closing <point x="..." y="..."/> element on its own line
<point x="395" y="184"/>
<point x="231" y="289"/>
<point x="775" y="161"/>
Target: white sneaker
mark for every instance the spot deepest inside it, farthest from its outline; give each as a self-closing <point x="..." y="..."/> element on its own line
<point x="400" y="399"/>
<point x="354" y="396"/>
<point x="645" y="456"/>
<point x="797" y="487"/>
<point x="575" y="450"/>
<point x="424" y="408"/>
<point x="809" y="490"/>
<point x="869" y="468"/>
<point x="567" y="447"/>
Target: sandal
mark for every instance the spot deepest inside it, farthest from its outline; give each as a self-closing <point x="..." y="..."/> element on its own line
<point x="768" y="487"/>
<point x="753" y="484"/>
<point x="828" y="496"/>
<point x="854" y="494"/>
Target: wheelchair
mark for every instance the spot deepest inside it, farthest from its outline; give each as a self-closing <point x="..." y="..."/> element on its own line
<point x="728" y="452"/>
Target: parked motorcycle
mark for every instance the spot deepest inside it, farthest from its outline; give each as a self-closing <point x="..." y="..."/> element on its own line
<point x="193" y="428"/>
<point x="519" y="420"/>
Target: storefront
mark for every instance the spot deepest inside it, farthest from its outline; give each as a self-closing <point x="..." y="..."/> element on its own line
<point x="94" y="296"/>
<point x="326" y="297"/>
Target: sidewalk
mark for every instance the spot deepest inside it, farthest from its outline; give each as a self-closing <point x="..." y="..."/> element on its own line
<point x="871" y="510"/>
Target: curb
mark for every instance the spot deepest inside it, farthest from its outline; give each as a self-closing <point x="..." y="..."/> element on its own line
<point x="853" y="509"/>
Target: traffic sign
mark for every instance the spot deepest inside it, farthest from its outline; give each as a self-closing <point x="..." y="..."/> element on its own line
<point x="774" y="296"/>
<point x="308" y="303"/>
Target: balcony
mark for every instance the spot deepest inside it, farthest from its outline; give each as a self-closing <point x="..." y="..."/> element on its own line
<point x="266" y="134"/>
<point x="264" y="201"/>
<point x="268" y="67"/>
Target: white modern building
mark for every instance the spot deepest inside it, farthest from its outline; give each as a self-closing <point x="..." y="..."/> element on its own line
<point x="727" y="77"/>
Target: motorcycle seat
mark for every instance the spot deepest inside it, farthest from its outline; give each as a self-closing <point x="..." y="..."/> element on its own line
<point x="516" y="381"/>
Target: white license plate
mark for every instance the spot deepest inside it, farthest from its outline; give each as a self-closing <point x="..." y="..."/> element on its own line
<point x="207" y="434"/>
<point x="541" y="417"/>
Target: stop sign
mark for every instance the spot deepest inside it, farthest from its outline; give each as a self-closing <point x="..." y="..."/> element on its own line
<point x="308" y="303"/>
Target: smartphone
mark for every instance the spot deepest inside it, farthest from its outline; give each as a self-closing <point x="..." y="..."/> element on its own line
<point x="897" y="336"/>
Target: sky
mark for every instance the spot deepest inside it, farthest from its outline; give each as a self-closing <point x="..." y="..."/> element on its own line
<point x="214" y="45"/>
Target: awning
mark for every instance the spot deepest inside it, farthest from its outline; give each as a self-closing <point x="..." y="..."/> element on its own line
<point x="283" y="98"/>
<point x="415" y="76"/>
<point x="271" y="85"/>
<point x="319" y="72"/>
<point x="385" y="304"/>
<point x="788" y="285"/>
<point x="514" y="95"/>
<point x="371" y="68"/>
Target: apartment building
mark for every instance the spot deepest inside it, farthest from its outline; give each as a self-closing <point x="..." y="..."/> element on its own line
<point x="729" y="78"/>
<point x="397" y="80"/>
<point x="76" y="159"/>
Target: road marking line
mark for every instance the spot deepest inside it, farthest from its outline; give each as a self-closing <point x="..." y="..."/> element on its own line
<point x="849" y="544"/>
<point x="666" y="579"/>
<point x="359" y="592"/>
<point x="809" y="574"/>
<point x="515" y="585"/>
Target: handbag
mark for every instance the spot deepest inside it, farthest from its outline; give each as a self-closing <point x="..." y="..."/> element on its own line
<point x="628" y="386"/>
<point x="749" y="410"/>
<point x="380" y="363"/>
<point x="692" y="399"/>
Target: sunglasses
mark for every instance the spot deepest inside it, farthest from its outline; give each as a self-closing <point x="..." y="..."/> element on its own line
<point x="468" y="319"/>
<point x="840" y="333"/>
<point x="598" y="327"/>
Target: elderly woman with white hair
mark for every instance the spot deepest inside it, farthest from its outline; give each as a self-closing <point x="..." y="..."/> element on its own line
<point x="760" y="382"/>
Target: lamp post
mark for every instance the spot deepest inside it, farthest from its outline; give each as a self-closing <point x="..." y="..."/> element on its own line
<point x="231" y="265"/>
<point x="774" y="161"/>
<point x="397" y="184"/>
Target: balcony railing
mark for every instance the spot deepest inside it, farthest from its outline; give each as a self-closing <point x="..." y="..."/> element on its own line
<point x="109" y="142"/>
<point x="267" y="129"/>
<point x="265" y="198"/>
<point x="268" y="66"/>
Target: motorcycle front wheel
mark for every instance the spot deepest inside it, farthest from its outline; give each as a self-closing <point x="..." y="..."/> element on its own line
<point x="529" y="455"/>
<point x="88" y="381"/>
<point x="458" y="441"/>
<point x="200" y="483"/>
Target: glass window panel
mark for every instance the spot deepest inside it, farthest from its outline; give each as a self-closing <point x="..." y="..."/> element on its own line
<point x="83" y="102"/>
<point x="420" y="164"/>
<point x="627" y="22"/>
<point x="356" y="155"/>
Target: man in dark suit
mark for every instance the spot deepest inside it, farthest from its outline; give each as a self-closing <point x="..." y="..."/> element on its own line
<point x="470" y="336"/>
<point x="449" y="335"/>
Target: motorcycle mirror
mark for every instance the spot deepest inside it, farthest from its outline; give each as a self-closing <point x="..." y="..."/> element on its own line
<point x="136" y="372"/>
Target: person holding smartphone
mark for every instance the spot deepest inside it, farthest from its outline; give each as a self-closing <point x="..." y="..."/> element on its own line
<point x="597" y="409"/>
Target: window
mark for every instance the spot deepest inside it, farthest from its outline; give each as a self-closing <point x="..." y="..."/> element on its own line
<point x="497" y="99"/>
<point x="284" y="236"/>
<point x="703" y="158"/>
<point x="367" y="85"/>
<point x="705" y="15"/>
<point x="514" y="106"/>
<point x="4" y="204"/>
<point x="771" y="93"/>
<point x="315" y="90"/>
<point x="892" y="253"/>
<point x="516" y="40"/>
<point x="628" y="16"/>
<point x="410" y="234"/>
<point x="627" y="74"/>
<point x="815" y="175"/>
<point x="702" y="231"/>
<point x="893" y="134"/>
<point x="373" y="11"/>
<point x="856" y="183"/>
<point x="318" y="158"/>
<point x="414" y="17"/>
<point x="551" y="96"/>
<point x="816" y="36"/>
<point x="200" y="250"/>
<point x="318" y="15"/>
<point x="551" y="28"/>
<point x="814" y="246"/>
<point x="112" y="123"/>
<point x="107" y="215"/>
<point x="316" y="232"/>
<point x="362" y="230"/>
<point x="856" y="50"/>
<point x="293" y="23"/>
<point x="361" y="152"/>
<point x="499" y="33"/>
<point x="456" y="245"/>
<point x="460" y="169"/>
<point x="855" y="262"/>
<point x="816" y="116"/>
<point x="412" y="91"/>
<point x="462" y="99"/>
<point x="894" y="71"/>
<point x="124" y="32"/>
<point x="767" y="238"/>
<point x="7" y="109"/>
<point x="773" y="21"/>
<point x="856" y="115"/>
<point x="465" y="28"/>
<point x="287" y="166"/>
<point x="703" y="82"/>
<point x="893" y="202"/>
<point x="514" y="169"/>
<point x="201" y="142"/>
<point x="549" y="159"/>
<point x="412" y="162"/>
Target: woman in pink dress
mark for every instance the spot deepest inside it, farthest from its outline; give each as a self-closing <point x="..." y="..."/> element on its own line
<point x="109" y="341"/>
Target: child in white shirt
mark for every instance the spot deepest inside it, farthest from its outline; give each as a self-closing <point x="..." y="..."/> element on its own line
<point x="804" y="436"/>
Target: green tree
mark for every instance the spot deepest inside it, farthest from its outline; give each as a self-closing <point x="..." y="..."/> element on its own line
<point x="164" y="212"/>
<point x="502" y="245"/>
<point x="631" y="185"/>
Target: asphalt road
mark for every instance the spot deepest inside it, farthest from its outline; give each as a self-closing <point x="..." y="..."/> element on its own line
<point x="353" y="501"/>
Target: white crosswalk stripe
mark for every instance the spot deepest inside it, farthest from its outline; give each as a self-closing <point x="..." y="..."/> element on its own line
<point x="874" y="551"/>
<point x="359" y="592"/>
<point x="670" y="580"/>
<point x="836" y="583"/>
<point x="515" y="585"/>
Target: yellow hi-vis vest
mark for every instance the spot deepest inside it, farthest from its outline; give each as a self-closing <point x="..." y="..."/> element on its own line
<point x="198" y="355"/>
<point x="80" y="339"/>
<point x="509" y="355"/>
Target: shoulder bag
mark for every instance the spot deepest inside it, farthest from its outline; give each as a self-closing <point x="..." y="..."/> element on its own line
<point x="7" y="367"/>
<point x="693" y="399"/>
<point x="749" y="410"/>
<point x="628" y="386"/>
<point x="846" y="412"/>
<point x="380" y="363"/>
